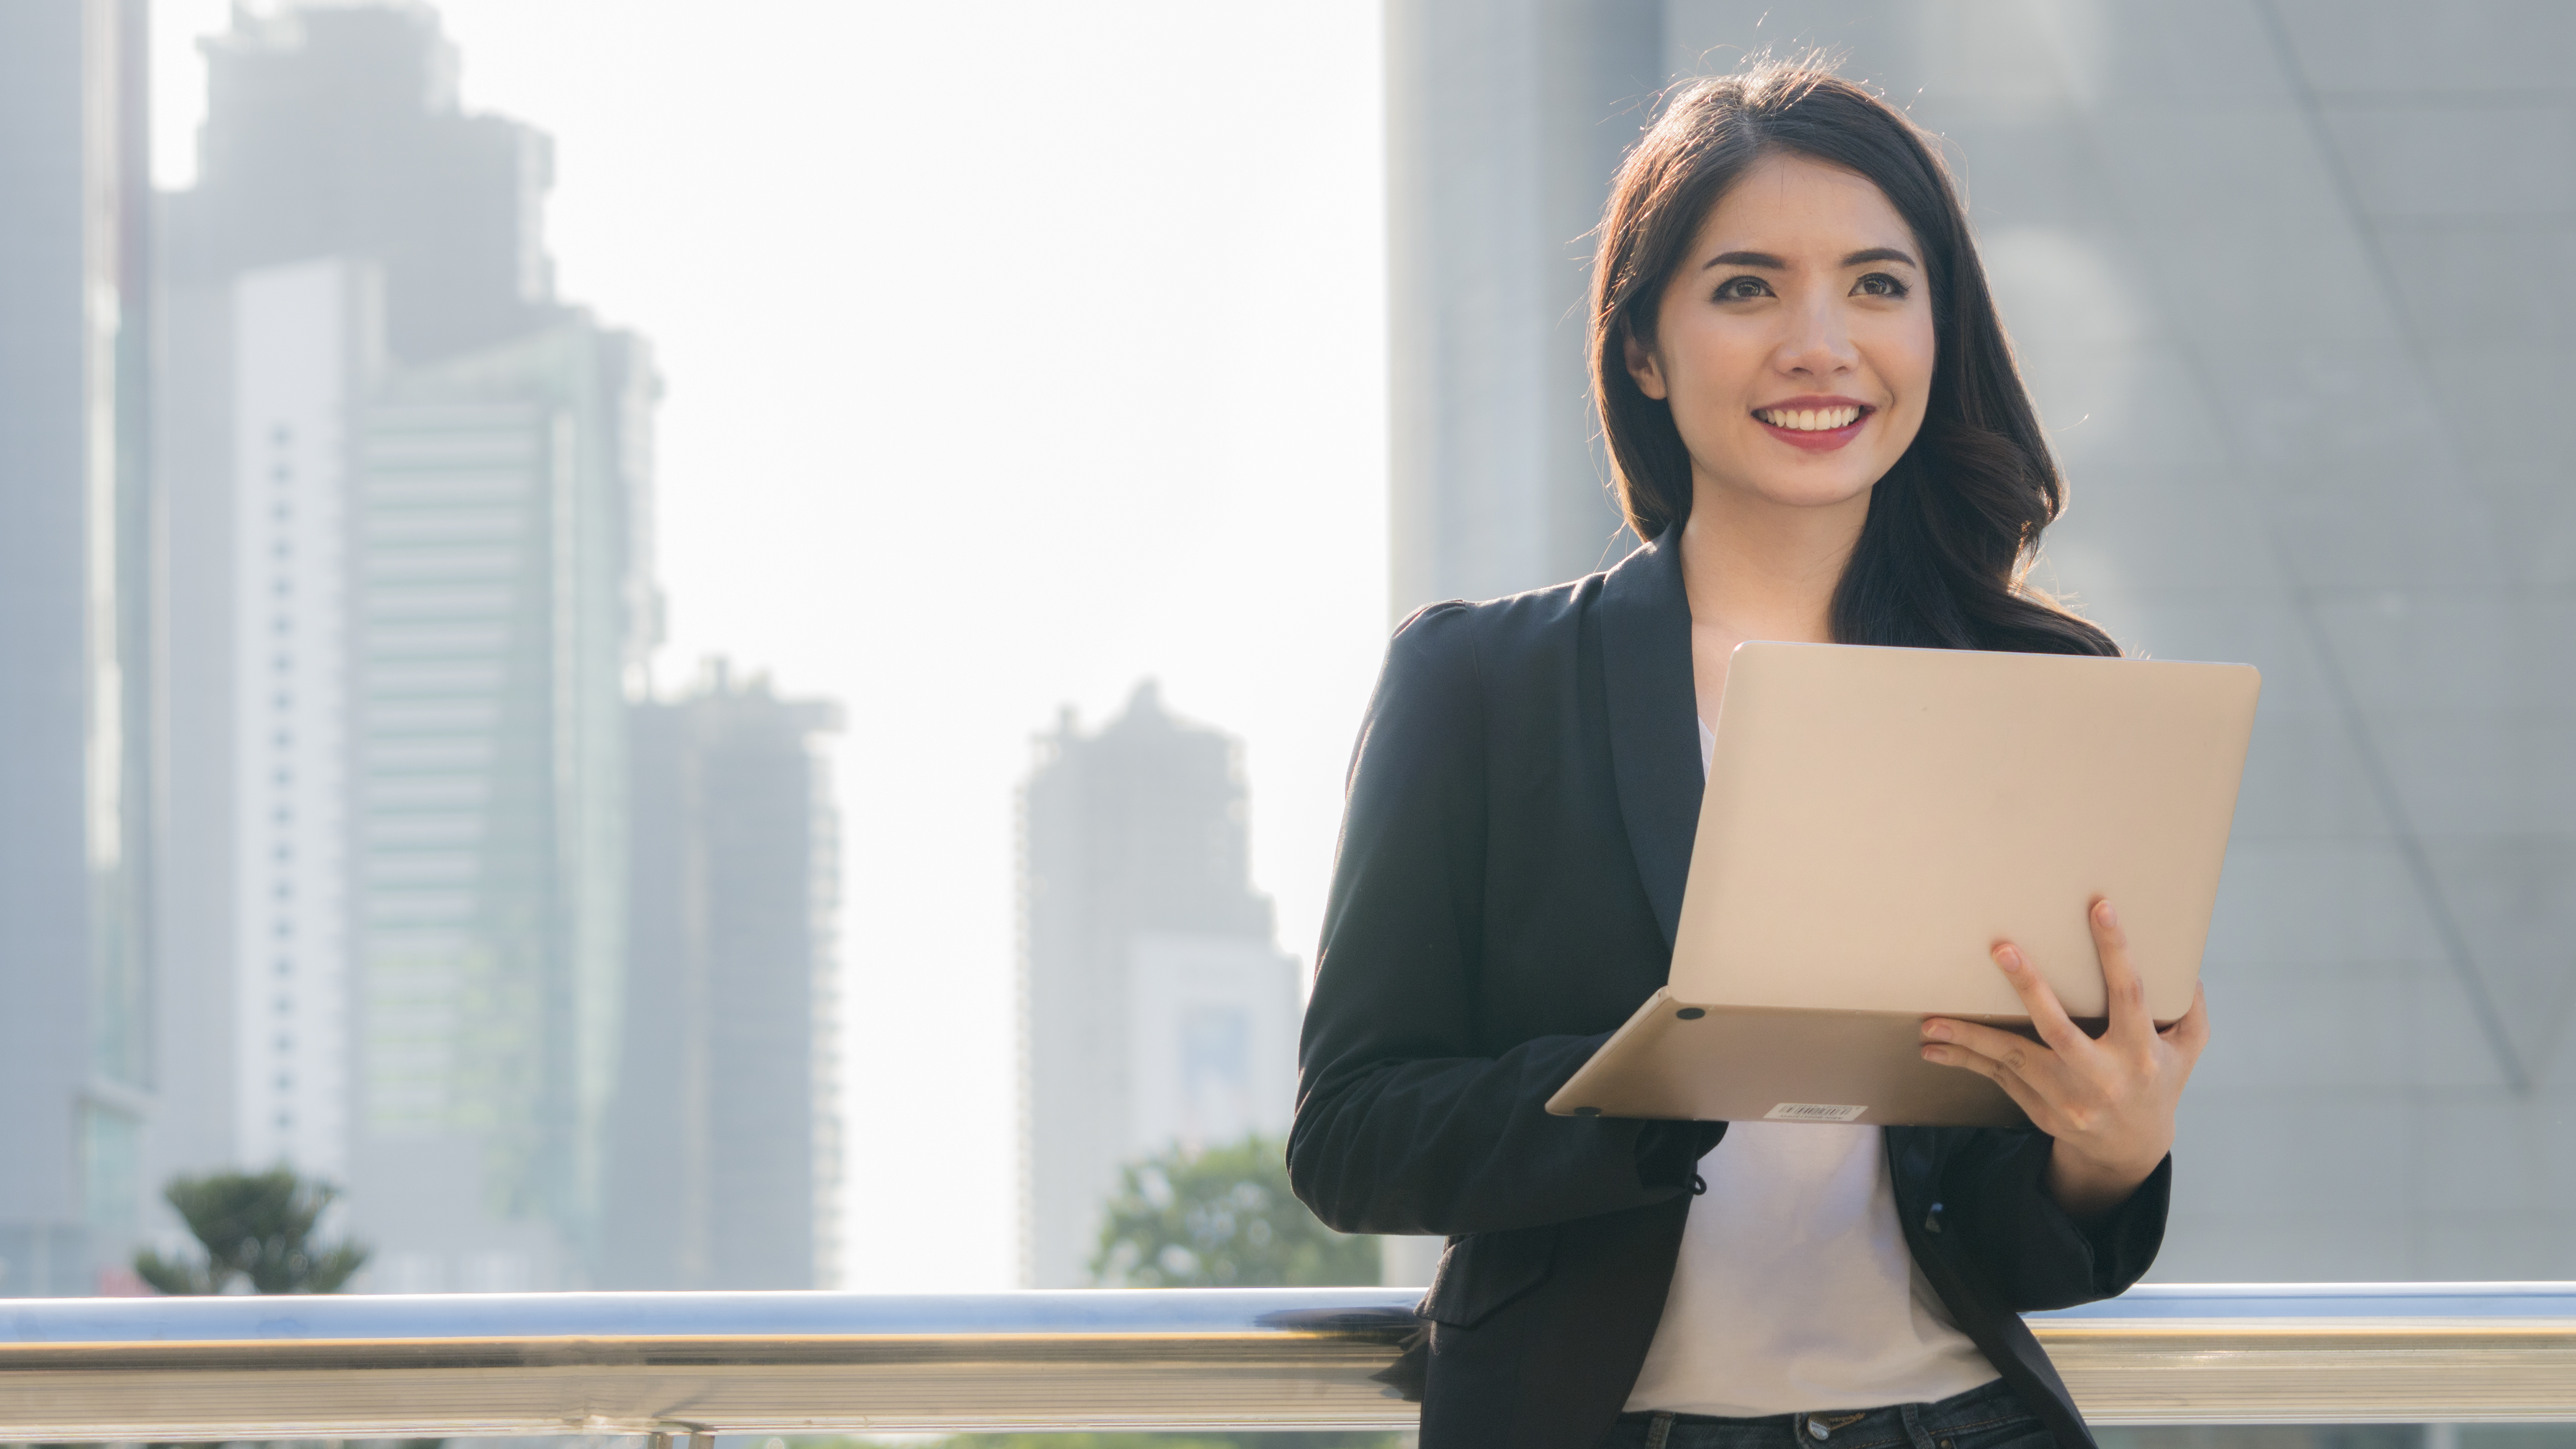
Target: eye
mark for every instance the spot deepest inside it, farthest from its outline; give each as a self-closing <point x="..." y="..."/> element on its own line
<point x="1880" y="284"/>
<point x="1742" y="289"/>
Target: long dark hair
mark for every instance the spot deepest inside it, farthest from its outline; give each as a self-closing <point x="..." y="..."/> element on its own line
<point x="1944" y="554"/>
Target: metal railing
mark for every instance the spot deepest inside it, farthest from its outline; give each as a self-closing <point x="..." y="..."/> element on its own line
<point x="785" y="1363"/>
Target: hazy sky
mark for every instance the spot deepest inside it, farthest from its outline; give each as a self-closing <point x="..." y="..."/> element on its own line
<point x="1016" y="352"/>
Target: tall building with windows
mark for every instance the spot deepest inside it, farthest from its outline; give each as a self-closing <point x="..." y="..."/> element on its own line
<point x="409" y="583"/>
<point x="489" y="644"/>
<point x="1155" y="1008"/>
<point x="1504" y="122"/>
<point x="2267" y="266"/>
<point x="77" y="726"/>
<point x="334" y="130"/>
<point x="265" y="378"/>
<point x="724" y="1147"/>
<point x="304" y="357"/>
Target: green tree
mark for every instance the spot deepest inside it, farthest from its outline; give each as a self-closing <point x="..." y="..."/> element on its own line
<point x="1223" y="1218"/>
<point x="256" y="1226"/>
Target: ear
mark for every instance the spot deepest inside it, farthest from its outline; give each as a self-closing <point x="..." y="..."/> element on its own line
<point x="1644" y="367"/>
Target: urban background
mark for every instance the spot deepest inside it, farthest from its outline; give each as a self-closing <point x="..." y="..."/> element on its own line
<point x="404" y="417"/>
<point x="384" y="840"/>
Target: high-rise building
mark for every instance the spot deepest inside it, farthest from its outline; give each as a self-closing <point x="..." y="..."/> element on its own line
<point x="1155" y="1008"/>
<point x="303" y="362"/>
<point x="2266" y="266"/>
<point x="264" y="384"/>
<point x="77" y="669"/>
<point x="408" y="570"/>
<point x="491" y="556"/>
<point x="334" y="130"/>
<point x="724" y="1145"/>
<point x="1504" y="121"/>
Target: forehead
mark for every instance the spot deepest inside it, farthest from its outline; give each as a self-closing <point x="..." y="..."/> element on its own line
<point x="1787" y="204"/>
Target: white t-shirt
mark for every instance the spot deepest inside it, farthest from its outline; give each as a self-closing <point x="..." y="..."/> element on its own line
<point x="1795" y="1290"/>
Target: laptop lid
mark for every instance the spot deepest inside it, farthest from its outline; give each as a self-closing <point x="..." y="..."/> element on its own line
<point x="1875" y="819"/>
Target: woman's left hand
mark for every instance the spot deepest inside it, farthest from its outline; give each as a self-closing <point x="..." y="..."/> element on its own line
<point x="2109" y="1103"/>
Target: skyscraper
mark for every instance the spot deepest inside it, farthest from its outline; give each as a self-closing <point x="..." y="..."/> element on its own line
<point x="724" y="1146"/>
<point x="2263" y="264"/>
<point x="1504" y="121"/>
<point x="334" y="130"/>
<point x="409" y="500"/>
<point x="77" y="729"/>
<point x="1154" y="1006"/>
<point x="490" y="639"/>
<point x="304" y="358"/>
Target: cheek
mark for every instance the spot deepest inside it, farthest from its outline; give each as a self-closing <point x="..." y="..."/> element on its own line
<point x="1714" y="368"/>
<point x="1911" y="360"/>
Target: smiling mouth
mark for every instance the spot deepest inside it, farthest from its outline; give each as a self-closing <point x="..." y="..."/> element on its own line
<point x="1811" y="420"/>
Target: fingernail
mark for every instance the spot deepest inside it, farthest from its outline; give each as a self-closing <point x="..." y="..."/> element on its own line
<point x="1935" y="1031"/>
<point x="2008" y="958"/>
<point x="1931" y="1054"/>
<point x="2110" y="917"/>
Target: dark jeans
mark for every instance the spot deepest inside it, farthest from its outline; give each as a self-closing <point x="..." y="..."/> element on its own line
<point x="1990" y="1417"/>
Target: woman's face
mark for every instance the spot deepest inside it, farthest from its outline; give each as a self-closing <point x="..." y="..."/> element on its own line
<point x="1795" y="343"/>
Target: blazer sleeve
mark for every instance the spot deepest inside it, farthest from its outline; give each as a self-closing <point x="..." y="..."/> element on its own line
<point x="2035" y="1255"/>
<point x="1403" y="1125"/>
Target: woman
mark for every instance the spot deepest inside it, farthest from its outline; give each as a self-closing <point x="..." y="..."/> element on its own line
<point x="1815" y="419"/>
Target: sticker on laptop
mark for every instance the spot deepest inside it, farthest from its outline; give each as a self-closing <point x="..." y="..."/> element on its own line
<point x="1813" y="1112"/>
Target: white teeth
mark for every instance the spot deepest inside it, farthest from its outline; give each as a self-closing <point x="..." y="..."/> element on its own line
<point x="1810" y="420"/>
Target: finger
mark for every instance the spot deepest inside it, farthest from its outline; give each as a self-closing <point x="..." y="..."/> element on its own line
<point x="2000" y="1054"/>
<point x="2040" y="1000"/>
<point x="2034" y="1103"/>
<point x="2016" y="1053"/>
<point x="2120" y="981"/>
<point x="2190" y="1032"/>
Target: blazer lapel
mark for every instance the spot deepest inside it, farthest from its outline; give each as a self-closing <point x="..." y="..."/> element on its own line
<point x="1654" y="713"/>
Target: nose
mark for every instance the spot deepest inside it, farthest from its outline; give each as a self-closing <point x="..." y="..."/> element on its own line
<point x="1818" y="343"/>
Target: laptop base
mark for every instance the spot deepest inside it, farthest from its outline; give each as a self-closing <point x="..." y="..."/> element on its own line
<point x="1781" y="1064"/>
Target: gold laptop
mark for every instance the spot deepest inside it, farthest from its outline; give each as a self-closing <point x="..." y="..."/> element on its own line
<point x="1874" y="820"/>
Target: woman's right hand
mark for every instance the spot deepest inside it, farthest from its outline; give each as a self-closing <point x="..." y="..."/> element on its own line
<point x="2109" y="1102"/>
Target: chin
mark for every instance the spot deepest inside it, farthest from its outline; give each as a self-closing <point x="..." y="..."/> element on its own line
<point x="1817" y="488"/>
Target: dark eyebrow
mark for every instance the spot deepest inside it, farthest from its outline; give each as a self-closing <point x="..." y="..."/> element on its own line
<point x="1771" y="263"/>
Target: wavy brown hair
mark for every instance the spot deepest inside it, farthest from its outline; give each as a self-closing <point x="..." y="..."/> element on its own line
<point x="1944" y="554"/>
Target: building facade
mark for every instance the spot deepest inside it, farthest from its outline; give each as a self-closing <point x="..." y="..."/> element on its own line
<point x="302" y="364"/>
<point x="334" y="130"/>
<point x="724" y="1145"/>
<point x="409" y="499"/>
<point x="1155" y="1008"/>
<point x="2267" y="264"/>
<point x="488" y="779"/>
<point x="1505" y="119"/>
<point x="78" y="787"/>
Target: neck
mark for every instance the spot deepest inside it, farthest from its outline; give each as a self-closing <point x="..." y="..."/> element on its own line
<point x="1758" y="569"/>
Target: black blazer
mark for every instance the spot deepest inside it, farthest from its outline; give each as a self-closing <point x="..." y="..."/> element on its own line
<point x="1521" y="809"/>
